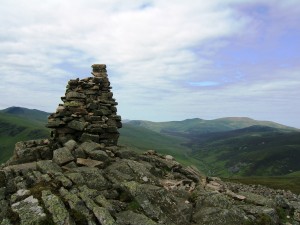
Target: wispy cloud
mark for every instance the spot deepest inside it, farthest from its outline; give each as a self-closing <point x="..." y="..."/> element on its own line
<point x="203" y="83"/>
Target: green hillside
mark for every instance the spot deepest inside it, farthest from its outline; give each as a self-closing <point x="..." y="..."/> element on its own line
<point x="143" y="139"/>
<point x="14" y="128"/>
<point x="199" y="126"/>
<point x="252" y="151"/>
<point x="30" y="114"/>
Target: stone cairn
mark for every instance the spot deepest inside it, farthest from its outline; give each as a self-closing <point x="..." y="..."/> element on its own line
<point x="88" y="111"/>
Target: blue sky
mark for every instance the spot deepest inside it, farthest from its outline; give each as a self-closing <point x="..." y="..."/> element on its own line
<point x="167" y="60"/>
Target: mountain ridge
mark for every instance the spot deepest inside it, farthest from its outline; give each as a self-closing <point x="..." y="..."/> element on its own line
<point x="205" y="126"/>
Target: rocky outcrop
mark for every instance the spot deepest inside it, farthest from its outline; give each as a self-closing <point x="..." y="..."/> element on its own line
<point x="127" y="188"/>
<point x="71" y="179"/>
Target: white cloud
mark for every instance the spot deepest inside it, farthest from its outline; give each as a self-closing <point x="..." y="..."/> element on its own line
<point x="153" y="50"/>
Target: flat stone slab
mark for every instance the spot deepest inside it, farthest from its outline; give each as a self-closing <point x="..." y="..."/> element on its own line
<point x="88" y="162"/>
<point x="47" y="166"/>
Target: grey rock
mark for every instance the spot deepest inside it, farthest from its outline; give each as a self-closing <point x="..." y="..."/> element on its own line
<point x="132" y="218"/>
<point x="56" y="207"/>
<point x="89" y="137"/>
<point x="258" y="199"/>
<point x="73" y="94"/>
<point x="5" y="222"/>
<point x="71" y="145"/>
<point x="22" y="167"/>
<point x="77" y="205"/>
<point x="98" y="155"/>
<point x="47" y="166"/>
<point x="90" y="146"/>
<point x="158" y="204"/>
<point x="76" y="178"/>
<point x="64" y="181"/>
<point x="102" y="214"/>
<point x="62" y="156"/>
<point x="88" y="162"/>
<point x="93" y="177"/>
<point x="79" y="153"/>
<point x="29" y="211"/>
<point x="20" y="195"/>
<point x="128" y="170"/>
<point x="77" y="125"/>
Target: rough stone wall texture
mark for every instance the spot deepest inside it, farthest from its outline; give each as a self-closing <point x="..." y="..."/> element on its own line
<point x="88" y="111"/>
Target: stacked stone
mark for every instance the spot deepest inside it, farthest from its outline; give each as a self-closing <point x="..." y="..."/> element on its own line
<point x="88" y="112"/>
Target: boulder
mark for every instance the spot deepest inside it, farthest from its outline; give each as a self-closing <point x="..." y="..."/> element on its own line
<point x="62" y="156"/>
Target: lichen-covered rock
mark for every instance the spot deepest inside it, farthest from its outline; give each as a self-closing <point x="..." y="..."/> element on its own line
<point x="71" y="145"/>
<point x="79" y="211"/>
<point x="158" y="204"/>
<point x="101" y="213"/>
<point x="129" y="170"/>
<point x="20" y="195"/>
<point x="90" y="146"/>
<point x="93" y="177"/>
<point x="76" y="178"/>
<point x="30" y="211"/>
<point x="56" y="207"/>
<point x="29" y="151"/>
<point x="77" y="125"/>
<point x="5" y="222"/>
<point x="62" y="156"/>
<point x="131" y="218"/>
<point x="47" y="166"/>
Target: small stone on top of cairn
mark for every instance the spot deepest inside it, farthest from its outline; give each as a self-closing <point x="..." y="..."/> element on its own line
<point x="99" y="70"/>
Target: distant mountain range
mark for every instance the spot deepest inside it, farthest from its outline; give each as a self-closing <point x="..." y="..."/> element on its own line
<point x="199" y="126"/>
<point x="229" y="146"/>
<point x="224" y="147"/>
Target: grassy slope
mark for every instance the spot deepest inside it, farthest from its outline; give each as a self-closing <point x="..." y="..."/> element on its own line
<point x="15" y="128"/>
<point x="255" y="151"/>
<point x="143" y="139"/>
